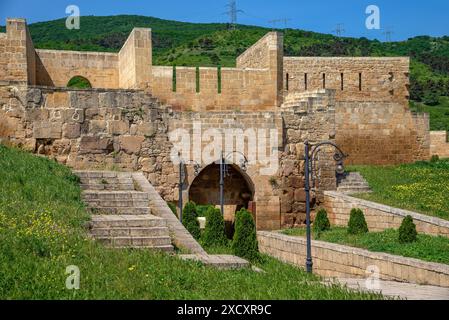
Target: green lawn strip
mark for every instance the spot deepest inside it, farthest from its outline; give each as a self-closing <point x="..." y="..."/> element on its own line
<point x="427" y="248"/>
<point x="42" y="233"/>
<point x="422" y="187"/>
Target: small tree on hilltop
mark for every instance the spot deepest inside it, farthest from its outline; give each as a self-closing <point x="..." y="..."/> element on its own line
<point x="214" y="234"/>
<point x="190" y="220"/>
<point x="357" y="223"/>
<point x="245" y="238"/>
<point x="407" y="231"/>
<point x="322" y="222"/>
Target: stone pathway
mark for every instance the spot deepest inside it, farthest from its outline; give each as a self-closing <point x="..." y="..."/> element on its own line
<point x="121" y="216"/>
<point x="129" y="213"/>
<point x="400" y="290"/>
<point x="352" y="183"/>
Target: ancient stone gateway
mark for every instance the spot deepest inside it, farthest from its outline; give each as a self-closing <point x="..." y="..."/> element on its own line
<point x="238" y="191"/>
<point x="126" y="120"/>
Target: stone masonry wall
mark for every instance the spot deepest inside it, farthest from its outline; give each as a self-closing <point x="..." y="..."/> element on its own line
<point x="379" y="217"/>
<point x="332" y="260"/>
<point x="135" y="60"/>
<point x="381" y="133"/>
<point x="13" y="52"/>
<point x="249" y="87"/>
<point x="91" y="129"/>
<point x="310" y="116"/>
<point x="55" y="68"/>
<point x="382" y="79"/>
<point x="439" y="144"/>
<point x="235" y="129"/>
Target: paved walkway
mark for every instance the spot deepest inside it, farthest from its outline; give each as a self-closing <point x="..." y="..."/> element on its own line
<point x="401" y="290"/>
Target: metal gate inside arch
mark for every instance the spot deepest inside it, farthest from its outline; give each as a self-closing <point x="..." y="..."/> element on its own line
<point x="238" y="191"/>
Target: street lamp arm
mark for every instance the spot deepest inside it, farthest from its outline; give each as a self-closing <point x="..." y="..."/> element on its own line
<point x="317" y="147"/>
<point x="238" y="152"/>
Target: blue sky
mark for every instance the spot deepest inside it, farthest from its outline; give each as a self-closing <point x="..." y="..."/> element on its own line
<point x="407" y="18"/>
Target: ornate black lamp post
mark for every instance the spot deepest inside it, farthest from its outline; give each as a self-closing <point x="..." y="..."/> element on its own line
<point x="182" y="177"/>
<point x="224" y="172"/>
<point x="311" y="152"/>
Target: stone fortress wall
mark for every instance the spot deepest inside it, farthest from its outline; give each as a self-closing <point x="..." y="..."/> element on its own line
<point x="125" y="120"/>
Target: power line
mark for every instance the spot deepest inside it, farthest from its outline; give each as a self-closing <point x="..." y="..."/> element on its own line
<point x="233" y="11"/>
<point x="388" y="33"/>
<point x="276" y="21"/>
<point x="339" y="30"/>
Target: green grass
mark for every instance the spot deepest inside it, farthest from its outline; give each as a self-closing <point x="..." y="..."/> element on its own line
<point x="42" y="232"/>
<point x="422" y="187"/>
<point x="427" y="248"/>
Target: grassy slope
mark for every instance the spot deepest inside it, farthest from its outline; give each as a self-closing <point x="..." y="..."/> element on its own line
<point x="433" y="249"/>
<point x="41" y="233"/>
<point x="421" y="187"/>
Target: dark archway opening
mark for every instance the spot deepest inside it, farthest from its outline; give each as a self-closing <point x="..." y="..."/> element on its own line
<point x="79" y="82"/>
<point x="238" y="192"/>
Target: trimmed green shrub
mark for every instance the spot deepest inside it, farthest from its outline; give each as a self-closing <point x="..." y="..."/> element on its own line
<point x="407" y="231"/>
<point x="190" y="220"/>
<point x="435" y="159"/>
<point x="172" y="207"/>
<point x="357" y="223"/>
<point x="322" y="222"/>
<point x="245" y="238"/>
<point x="214" y="233"/>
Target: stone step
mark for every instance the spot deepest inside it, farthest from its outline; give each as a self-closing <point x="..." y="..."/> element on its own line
<point x="91" y="195"/>
<point x="356" y="184"/>
<point x="134" y="242"/>
<point x="112" y="187"/>
<point x="354" y="190"/>
<point x="102" y="174"/>
<point x="166" y="249"/>
<point x="128" y="211"/>
<point x="130" y="232"/>
<point x="124" y="221"/>
<point x="99" y="204"/>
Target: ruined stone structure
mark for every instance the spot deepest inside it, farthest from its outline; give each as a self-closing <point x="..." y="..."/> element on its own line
<point x="128" y="119"/>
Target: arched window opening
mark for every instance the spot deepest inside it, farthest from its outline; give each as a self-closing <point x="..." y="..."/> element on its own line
<point x="79" y="82"/>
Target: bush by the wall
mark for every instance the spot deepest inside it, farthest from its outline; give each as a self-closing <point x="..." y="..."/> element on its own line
<point x="172" y="207"/>
<point x="407" y="231"/>
<point x="214" y="233"/>
<point x="322" y="222"/>
<point x="357" y="223"/>
<point x="245" y="238"/>
<point x="190" y="220"/>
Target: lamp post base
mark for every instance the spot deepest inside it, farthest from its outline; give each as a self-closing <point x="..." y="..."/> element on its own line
<point x="309" y="266"/>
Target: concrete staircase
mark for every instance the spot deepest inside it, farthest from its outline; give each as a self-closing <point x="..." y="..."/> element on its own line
<point x="352" y="183"/>
<point x="121" y="216"/>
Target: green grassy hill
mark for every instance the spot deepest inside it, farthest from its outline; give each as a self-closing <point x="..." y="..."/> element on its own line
<point x="196" y="44"/>
<point x="42" y="232"/>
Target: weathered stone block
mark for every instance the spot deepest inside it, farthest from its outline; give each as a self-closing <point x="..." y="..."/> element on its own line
<point x="71" y="130"/>
<point x="118" y="127"/>
<point x="47" y="130"/>
<point x="145" y="129"/>
<point x="131" y="144"/>
<point x="96" y="145"/>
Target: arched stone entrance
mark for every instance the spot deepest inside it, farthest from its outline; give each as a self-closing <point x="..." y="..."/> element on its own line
<point x="238" y="191"/>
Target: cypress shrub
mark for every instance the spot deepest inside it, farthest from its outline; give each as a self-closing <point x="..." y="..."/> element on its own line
<point x="245" y="238"/>
<point x="357" y="223"/>
<point x="173" y="208"/>
<point x="190" y="220"/>
<point x="214" y="233"/>
<point x="321" y="223"/>
<point x="407" y="231"/>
